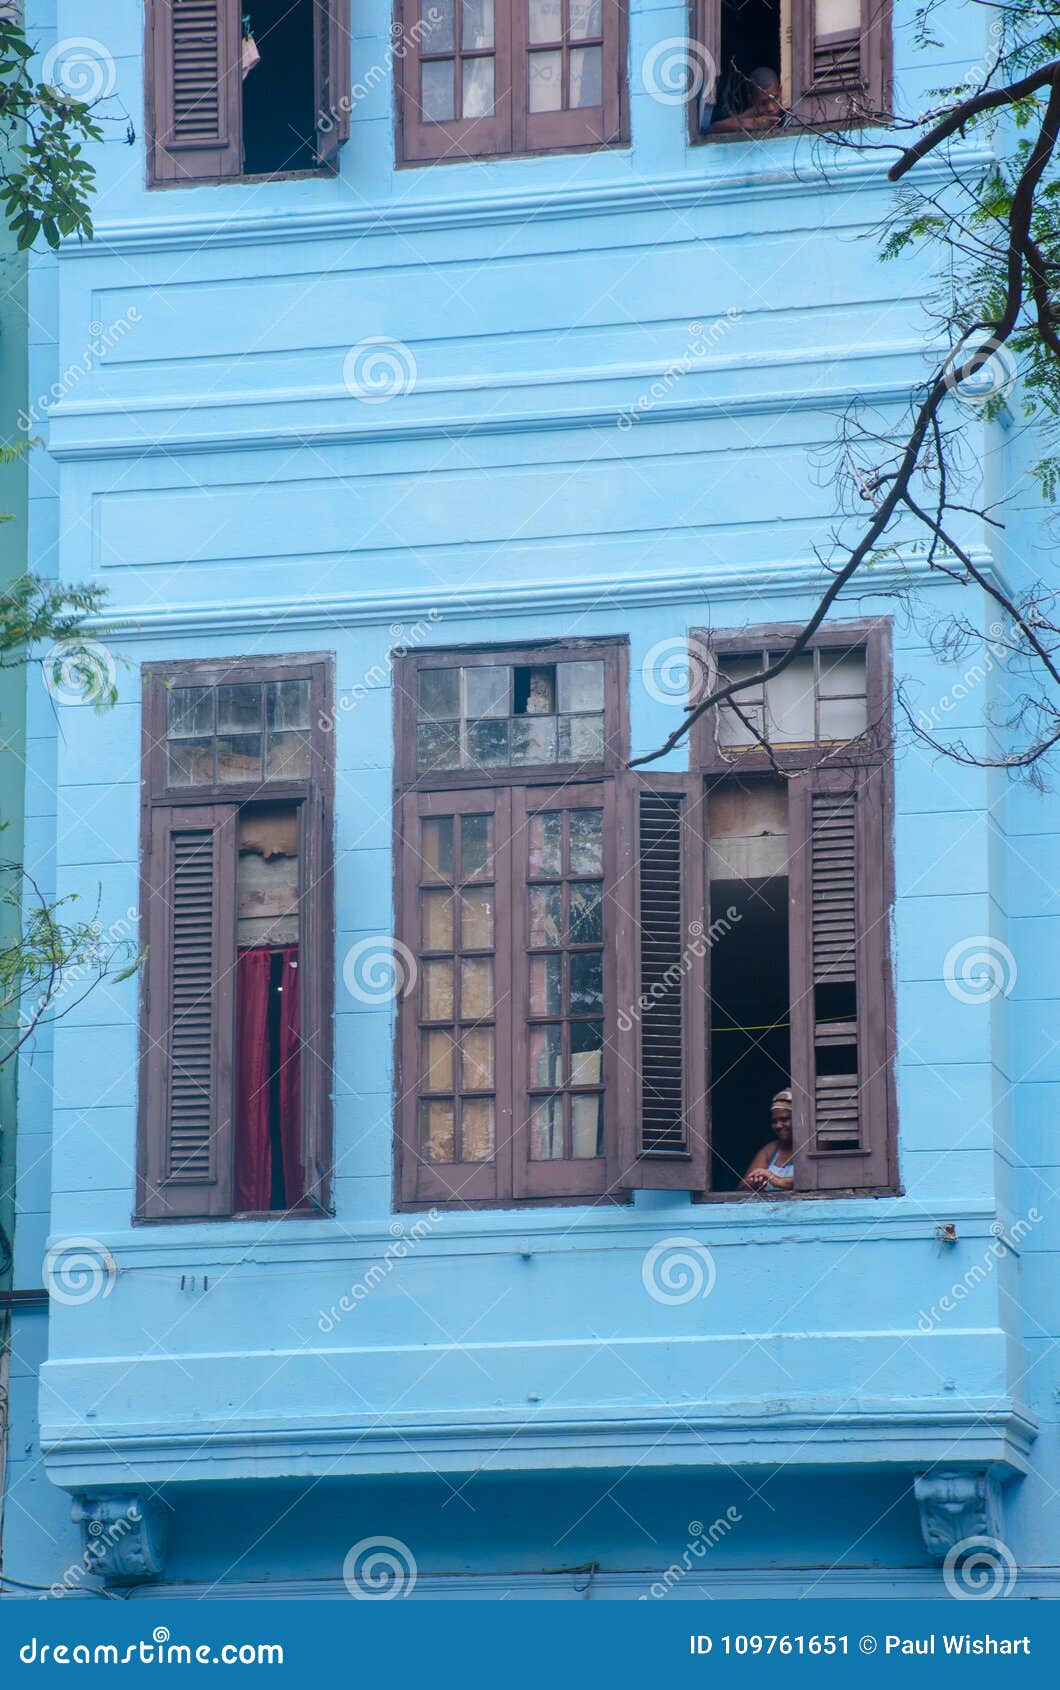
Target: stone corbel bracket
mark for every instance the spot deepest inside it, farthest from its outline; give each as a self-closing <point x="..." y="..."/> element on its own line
<point x="123" y="1537"/>
<point x="957" y="1506"/>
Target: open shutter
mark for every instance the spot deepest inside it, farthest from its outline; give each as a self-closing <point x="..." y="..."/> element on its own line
<point x="664" y="1137"/>
<point x="190" y="1012"/>
<point x="840" y="59"/>
<point x="194" y="90"/>
<point x="840" y="997"/>
<point x="331" y="71"/>
<point x="704" y="66"/>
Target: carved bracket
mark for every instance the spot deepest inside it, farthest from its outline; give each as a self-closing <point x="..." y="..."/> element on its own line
<point x="124" y="1537"/>
<point x="955" y="1506"/>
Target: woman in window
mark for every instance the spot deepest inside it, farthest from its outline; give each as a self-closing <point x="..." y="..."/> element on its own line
<point x="772" y="1168"/>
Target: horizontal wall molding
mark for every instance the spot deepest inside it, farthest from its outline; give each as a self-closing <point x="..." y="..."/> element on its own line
<point x="370" y="426"/>
<point x="713" y="583"/>
<point x="798" y="175"/>
<point x="829" y="1432"/>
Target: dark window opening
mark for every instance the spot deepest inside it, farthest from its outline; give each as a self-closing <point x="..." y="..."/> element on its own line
<point x="268" y="1156"/>
<point x="750" y="1042"/>
<point x="748" y="93"/>
<point x="279" y="119"/>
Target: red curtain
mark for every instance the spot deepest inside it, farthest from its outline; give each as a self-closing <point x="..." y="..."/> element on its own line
<point x="291" y="1081"/>
<point x="253" y="1171"/>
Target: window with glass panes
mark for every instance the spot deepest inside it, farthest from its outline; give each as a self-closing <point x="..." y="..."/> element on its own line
<point x="502" y="76"/>
<point x="507" y="763"/>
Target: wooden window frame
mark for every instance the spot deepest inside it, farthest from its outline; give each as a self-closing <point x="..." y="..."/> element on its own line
<point x="515" y="1182"/>
<point x="314" y="796"/>
<point x="817" y="112"/>
<point x="867" y="767"/>
<point x="512" y="131"/>
<point x="198" y="160"/>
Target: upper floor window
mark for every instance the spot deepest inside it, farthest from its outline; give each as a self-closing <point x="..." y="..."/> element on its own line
<point x="615" y="972"/>
<point x="769" y="66"/>
<point x="235" y="1071"/>
<point x="480" y="77"/>
<point x="245" y="87"/>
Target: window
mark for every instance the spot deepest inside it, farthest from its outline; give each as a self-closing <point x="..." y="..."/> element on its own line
<point x="235" y="1065"/>
<point x="481" y="77"/>
<point x="508" y="897"/>
<point x="245" y="87"/>
<point x="615" y="971"/>
<point x="787" y="63"/>
<point x="798" y="876"/>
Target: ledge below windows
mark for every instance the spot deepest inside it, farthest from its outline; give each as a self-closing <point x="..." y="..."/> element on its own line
<point x="981" y="1434"/>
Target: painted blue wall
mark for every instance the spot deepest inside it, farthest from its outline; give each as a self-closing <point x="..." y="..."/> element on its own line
<point x="211" y="467"/>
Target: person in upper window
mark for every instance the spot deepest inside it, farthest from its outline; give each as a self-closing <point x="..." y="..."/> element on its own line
<point x="771" y="1169"/>
<point x="763" y="109"/>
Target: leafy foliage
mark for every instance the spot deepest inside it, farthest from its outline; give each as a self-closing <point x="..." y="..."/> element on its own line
<point x="45" y="179"/>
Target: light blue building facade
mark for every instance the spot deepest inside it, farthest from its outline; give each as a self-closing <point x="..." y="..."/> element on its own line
<point x="555" y="397"/>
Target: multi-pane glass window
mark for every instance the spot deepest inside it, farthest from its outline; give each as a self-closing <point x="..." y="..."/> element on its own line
<point x="565" y="921"/>
<point x="457" y="60"/>
<point x="820" y="698"/>
<point x="242" y="731"/>
<point x="457" y="986"/>
<point x="481" y="77"/>
<point x="565" y="59"/>
<point x="510" y="715"/>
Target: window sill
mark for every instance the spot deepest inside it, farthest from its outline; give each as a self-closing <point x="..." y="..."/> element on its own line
<point x="310" y="175"/>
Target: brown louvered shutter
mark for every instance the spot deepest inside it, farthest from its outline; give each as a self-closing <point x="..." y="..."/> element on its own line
<point x="663" y="1018"/>
<point x="194" y="90"/>
<point x="188" y="1083"/>
<point x="840" y="1008"/>
<point x="331" y="71"/>
<point x="840" y="75"/>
